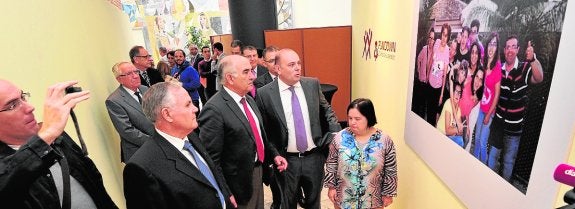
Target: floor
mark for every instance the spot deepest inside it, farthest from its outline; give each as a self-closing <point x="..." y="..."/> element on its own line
<point x="325" y="202"/>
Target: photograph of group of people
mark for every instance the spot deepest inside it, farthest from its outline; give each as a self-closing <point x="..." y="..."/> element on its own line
<point x="483" y="71"/>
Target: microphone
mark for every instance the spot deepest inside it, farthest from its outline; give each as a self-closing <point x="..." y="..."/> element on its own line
<point x="565" y="174"/>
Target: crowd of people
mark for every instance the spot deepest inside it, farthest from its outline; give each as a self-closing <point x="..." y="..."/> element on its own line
<point x="206" y="130"/>
<point x="474" y="97"/>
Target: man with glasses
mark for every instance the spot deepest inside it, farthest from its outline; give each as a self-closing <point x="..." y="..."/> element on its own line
<point x="124" y="106"/>
<point x="507" y="125"/>
<point x="40" y="165"/>
<point x="269" y="55"/>
<point x="421" y="87"/>
<point x="144" y="62"/>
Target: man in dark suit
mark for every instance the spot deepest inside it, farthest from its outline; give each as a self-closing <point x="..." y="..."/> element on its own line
<point x="194" y="57"/>
<point x="269" y="56"/>
<point x="251" y="53"/>
<point x="144" y="62"/>
<point x="232" y="129"/>
<point x="173" y="170"/>
<point x="125" y="110"/>
<point x="293" y="110"/>
<point x="40" y="165"/>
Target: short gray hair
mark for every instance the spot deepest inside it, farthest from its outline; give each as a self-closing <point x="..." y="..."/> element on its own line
<point x="225" y="66"/>
<point x="116" y="68"/>
<point x="156" y="98"/>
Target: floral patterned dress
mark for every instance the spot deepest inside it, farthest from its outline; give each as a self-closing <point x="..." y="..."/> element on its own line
<point x="361" y="175"/>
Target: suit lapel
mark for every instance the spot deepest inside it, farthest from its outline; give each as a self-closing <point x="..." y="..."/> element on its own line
<point x="181" y="163"/>
<point x="130" y="100"/>
<point x="231" y="103"/>
<point x="277" y="102"/>
<point x="309" y="91"/>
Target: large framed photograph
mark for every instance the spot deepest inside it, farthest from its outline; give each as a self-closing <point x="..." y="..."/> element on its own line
<point x="488" y="106"/>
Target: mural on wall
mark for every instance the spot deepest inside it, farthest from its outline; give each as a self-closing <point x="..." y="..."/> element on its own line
<point x="482" y="76"/>
<point x="175" y="23"/>
<point x="285" y="14"/>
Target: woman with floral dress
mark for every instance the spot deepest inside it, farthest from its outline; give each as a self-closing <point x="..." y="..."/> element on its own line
<point x="361" y="170"/>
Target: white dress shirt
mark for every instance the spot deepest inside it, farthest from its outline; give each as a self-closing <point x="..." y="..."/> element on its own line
<point x="285" y="95"/>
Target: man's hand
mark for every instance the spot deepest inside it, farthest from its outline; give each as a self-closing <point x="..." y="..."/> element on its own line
<point x="57" y="108"/>
<point x="529" y="52"/>
<point x="281" y="163"/>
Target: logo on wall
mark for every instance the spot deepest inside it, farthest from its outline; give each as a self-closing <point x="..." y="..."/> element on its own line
<point x="381" y="49"/>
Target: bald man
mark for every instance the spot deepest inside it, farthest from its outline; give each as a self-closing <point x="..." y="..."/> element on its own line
<point x="293" y="109"/>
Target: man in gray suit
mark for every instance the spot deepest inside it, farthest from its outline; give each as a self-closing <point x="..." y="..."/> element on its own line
<point x="125" y="110"/>
<point x="294" y="112"/>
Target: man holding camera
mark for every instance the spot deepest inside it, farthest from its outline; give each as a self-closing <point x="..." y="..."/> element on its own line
<point x="40" y="165"/>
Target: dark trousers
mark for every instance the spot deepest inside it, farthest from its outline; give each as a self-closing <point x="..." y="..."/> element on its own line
<point x="202" y="94"/>
<point x="257" y="199"/>
<point x="418" y="101"/>
<point x="433" y="105"/>
<point x="304" y="173"/>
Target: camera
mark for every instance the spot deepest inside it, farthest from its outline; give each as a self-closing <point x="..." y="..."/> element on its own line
<point x="73" y="89"/>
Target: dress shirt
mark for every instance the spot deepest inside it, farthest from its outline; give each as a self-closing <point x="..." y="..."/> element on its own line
<point x="132" y="93"/>
<point x="179" y="144"/>
<point x="285" y="95"/>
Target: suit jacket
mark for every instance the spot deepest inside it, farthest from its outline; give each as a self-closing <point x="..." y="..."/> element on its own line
<point x="159" y="176"/>
<point x="263" y="80"/>
<point x="129" y="120"/>
<point x="320" y="112"/>
<point x="154" y="75"/>
<point x="25" y="180"/>
<point x="226" y="133"/>
<point x="261" y="71"/>
<point x="198" y="58"/>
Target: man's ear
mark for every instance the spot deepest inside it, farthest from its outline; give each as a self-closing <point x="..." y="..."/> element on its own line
<point x="166" y="115"/>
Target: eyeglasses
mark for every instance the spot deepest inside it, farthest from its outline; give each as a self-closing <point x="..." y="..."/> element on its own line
<point x="493" y="43"/>
<point x="16" y="102"/>
<point x="144" y="56"/>
<point x="130" y="73"/>
<point x="511" y="47"/>
<point x="271" y="61"/>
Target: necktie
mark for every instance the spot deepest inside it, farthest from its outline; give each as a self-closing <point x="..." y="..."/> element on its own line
<point x="204" y="169"/>
<point x="137" y="93"/>
<point x="300" y="136"/>
<point x="257" y="137"/>
<point x="146" y="78"/>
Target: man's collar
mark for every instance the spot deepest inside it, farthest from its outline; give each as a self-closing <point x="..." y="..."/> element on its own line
<point x="514" y="65"/>
<point x="283" y="86"/>
<point x="233" y="94"/>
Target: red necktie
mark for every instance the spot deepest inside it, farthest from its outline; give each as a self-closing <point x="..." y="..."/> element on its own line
<point x="257" y="137"/>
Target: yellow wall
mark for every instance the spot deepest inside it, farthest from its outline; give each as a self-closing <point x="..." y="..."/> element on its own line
<point x="44" y="42"/>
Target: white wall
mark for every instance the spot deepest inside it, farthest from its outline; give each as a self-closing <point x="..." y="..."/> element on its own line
<point x="321" y="13"/>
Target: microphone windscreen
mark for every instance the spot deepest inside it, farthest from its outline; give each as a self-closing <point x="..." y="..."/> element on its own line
<point x="565" y="174"/>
